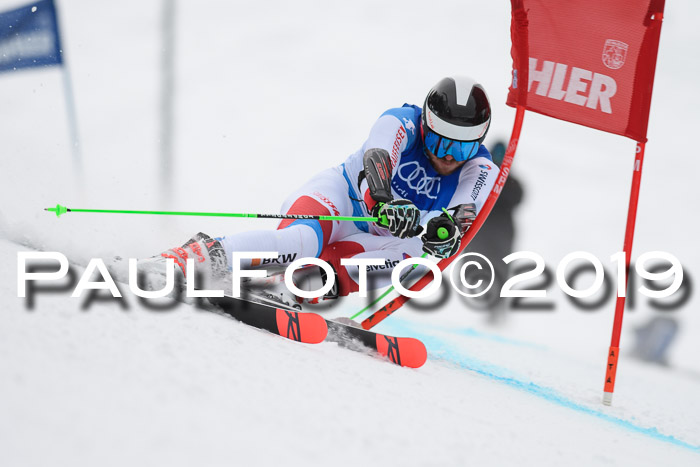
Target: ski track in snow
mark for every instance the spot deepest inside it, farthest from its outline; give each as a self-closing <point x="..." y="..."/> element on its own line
<point x="440" y="349"/>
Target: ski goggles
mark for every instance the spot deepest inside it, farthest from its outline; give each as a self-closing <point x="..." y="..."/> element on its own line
<point x="441" y="147"/>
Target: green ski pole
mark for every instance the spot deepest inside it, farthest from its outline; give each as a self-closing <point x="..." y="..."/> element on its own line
<point x="59" y="210"/>
<point x="442" y="234"/>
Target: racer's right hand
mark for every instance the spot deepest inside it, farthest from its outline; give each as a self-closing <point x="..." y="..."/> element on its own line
<point x="400" y="216"/>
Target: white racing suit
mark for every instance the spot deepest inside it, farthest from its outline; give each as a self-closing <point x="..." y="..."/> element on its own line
<point x="342" y="191"/>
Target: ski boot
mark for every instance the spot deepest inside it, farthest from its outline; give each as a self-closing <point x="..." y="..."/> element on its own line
<point x="207" y="253"/>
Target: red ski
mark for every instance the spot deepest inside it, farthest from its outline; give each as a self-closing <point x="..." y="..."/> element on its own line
<point x="309" y="328"/>
<point x="403" y="351"/>
<point x="267" y="311"/>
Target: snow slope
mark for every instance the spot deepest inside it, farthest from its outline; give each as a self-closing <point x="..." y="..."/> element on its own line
<point x="89" y="383"/>
<point x="268" y="94"/>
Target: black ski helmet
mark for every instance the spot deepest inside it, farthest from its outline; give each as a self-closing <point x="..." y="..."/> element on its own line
<point x="456" y="110"/>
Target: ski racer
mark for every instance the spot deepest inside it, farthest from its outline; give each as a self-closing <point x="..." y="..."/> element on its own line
<point x="415" y="162"/>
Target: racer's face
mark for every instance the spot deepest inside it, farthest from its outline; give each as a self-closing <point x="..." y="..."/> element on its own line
<point x="445" y="165"/>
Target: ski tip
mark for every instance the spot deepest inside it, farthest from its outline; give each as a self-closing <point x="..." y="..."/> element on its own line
<point x="309" y="328"/>
<point x="417" y="354"/>
<point x="316" y="326"/>
<point x="403" y="351"/>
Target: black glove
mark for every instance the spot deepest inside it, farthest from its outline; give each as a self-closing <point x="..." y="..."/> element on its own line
<point x="400" y="216"/>
<point x="464" y="215"/>
<point x="442" y="237"/>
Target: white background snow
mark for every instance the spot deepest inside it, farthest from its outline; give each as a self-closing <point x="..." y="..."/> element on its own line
<point x="267" y="94"/>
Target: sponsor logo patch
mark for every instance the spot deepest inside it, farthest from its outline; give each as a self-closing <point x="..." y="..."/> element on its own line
<point x="396" y="148"/>
<point x="614" y="54"/>
<point x="281" y="259"/>
<point x="387" y="265"/>
<point x="479" y="184"/>
<point x="418" y="180"/>
<point x="328" y="202"/>
<point x="409" y="126"/>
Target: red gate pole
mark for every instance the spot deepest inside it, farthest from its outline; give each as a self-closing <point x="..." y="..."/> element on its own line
<point x="614" y="351"/>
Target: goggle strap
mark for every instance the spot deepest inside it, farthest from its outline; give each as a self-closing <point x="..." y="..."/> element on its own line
<point x="437" y="146"/>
